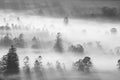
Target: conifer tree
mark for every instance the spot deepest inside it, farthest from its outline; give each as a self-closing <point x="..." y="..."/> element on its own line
<point x="12" y="62"/>
<point x="58" y="45"/>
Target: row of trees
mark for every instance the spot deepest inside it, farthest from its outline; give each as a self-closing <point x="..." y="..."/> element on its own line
<point x="58" y="46"/>
<point x="39" y="67"/>
<point x="59" y="43"/>
<point x="73" y="48"/>
<point x="13" y="27"/>
<point x="6" y="41"/>
<point x="5" y="28"/>
<point x="9" y="64"/>
<point x="20" y="42"/>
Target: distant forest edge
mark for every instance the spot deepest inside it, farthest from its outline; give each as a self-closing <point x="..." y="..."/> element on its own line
<point x="63" y="8"/>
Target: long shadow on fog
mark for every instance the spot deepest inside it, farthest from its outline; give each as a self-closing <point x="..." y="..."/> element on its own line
<point x="71" y="75"/>
<point x="83" y="76"/>
<point x="58" y="73"/>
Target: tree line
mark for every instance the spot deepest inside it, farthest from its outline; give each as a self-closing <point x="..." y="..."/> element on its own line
<point x="36" y="43"/>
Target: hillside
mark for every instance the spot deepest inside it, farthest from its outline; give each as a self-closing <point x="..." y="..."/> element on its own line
<point x="61" y="8"/>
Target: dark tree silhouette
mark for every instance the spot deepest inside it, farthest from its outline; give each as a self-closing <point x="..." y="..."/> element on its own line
<point x="109" y="12"/>
<point x="12" y="62"/>
<point x="58" y="45"/>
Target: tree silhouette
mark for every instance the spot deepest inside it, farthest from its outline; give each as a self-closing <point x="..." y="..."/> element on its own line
<point x="109" y="12"/>
<point x="35" y="43"/>
<point x="38" y="68"/>
<point x="113" y="30"/>
<point x="3" y="64"/>
<point x="76" y="48"/>
<point x="12" y="62"/>
<point x="58" y="45"/>
<point x="66" y="20"/>
<point x="6" y="41"/>
<point x="21" y="42"/>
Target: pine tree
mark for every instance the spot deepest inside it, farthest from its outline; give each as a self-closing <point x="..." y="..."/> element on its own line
<point x="21" y="42"/>
<point x="7" y="41"/>
<point x="26" y="67"/>
<point x="12" y="63"/>
<point x="58" y="45"/>
<point x="35" y="42"/>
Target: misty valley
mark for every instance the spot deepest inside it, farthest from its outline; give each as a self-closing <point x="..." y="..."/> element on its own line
<point x="43" y="48"/>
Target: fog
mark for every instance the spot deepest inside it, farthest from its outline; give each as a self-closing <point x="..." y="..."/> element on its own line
<point x="76" y="31"/>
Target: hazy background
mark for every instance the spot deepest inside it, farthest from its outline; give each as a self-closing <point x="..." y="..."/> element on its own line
<point x="60" y="8"/>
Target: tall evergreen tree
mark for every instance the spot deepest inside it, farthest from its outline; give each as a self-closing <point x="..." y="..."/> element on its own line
<point x="12" y="63"/>
<point x="58" y="45"/>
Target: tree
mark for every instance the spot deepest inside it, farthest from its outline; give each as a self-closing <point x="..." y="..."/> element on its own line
<point x="3" y="64"/>
<point x="21" y="36"/>
<point x="38" y="68"/>
<point x="38" y="64"/>
<point x="12" y="62"/>
<point x="58" y="66"/>
<point x="58" y="45"/>
<point x="113" y="30"/>
<point x="35" y="43"/>
<point x="26" y="67"/>
<point x="109" y="12"/>
<point x="76" y="48"/>
<point x="66" y="20"/>
<point x="21" y="42"/>
<point x="6" y="41"/>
